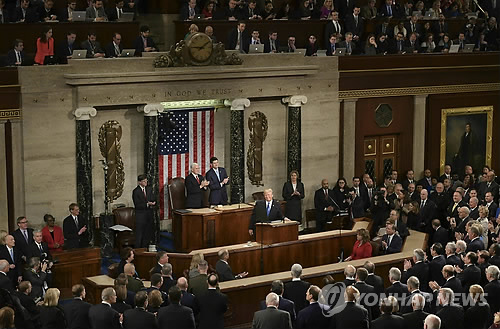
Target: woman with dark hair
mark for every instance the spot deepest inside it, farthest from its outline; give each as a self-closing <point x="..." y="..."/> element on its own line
<point x="6" y="317"/>
<point x="413" y="219"/>
<point x="293" y="193"/>
<point x="127" y="257"/>
<point x="341" y="194"/>
<point x="312" y="46"/>
<point x="362" y="247"/>
<point x="52" y="234"/>
<point x="124" y="297"/>
<point x="44" y="45"/>
<point x="209" y="10"/>
<point x="371" y="45"/>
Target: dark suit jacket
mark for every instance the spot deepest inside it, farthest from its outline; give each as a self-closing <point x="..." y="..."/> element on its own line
<point x="232" y="40"/>
<point x="454" y="212"/>
<point x="388" y="321"/>
<point x="311" y="317"/>
<point x="32" y="318"/>
<point x="469" y="276"/>
<point x="441" y="236"/>
<point x="271" y="318"/>
<point x="176" y="316"/>
<point x="139" y="318"/>
<point x="296" y="292"/>
<point x="198" y="285"/>
<point x="77" y="313"/>
<point x="367" y="291"/>
<point x="453" y="260"/>
<point x="52" y="317"/>
<point x="492" y="291"/>
<point x="353" y="316"/>
<point x="330" y="29"/>
<point x="415" y="319"/>
<point x="321" y="202"/>
<point x="357" y="207"/>
<point x="218" y="193"/>
<point x="421" y="271"/>
<point x="103" y="316"/>
<point x="34" y="251"/>
<point x="397" y="289"/>
<point x="11" y="57"/>
<point x="42" y="13"/>
<point x="475" y="245"/>
<point x="478" y="316"/>
<point x="267" y="45"/>
<point x="17" y="271"/>
<point x="91" y="51"/>
<point x="37" y="282"/>
<point x="492" y="209"/>
<point x="212" y="306"/>
<point x="70" y="231"/>
<point x="224" y="271"/>
<point x="435" y="267"/>
<point x="260" y="211"/>
<point x="452" y="317"/>
<point x="396" y="244"/>
<point x="139" y="45"/>
<point x="113" y="14"/>
<point x="384" y="11"/>
<point x="377" y="282"/>
<point x="194" y="198"/>
<point x="109" y="50"/>
<point x="284" y="305"/>
<point x="63" y="15"/>
<point x="351" y="26"/>
<point x="406" y="305"/>
<point x="184" y="12"/>
<point x="21" y="242"/>
<point x="6" y="282"/>
<point x="31" y="15"/>
<point x="428" y="213"/>
<point x="293" y="209"/>
<point x="454" y="284"/>
<point x="187" y="300"/>
<point x="141" y="201"/>
<point x="63" y="50"/>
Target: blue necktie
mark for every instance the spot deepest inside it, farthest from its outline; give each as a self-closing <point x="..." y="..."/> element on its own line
<point x="389" y="10"/>
<point x="12" y="254"/>
<point x="268" y="208"/>
<point x="217" y="173"/>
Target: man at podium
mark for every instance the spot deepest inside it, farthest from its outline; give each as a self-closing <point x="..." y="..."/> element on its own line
<point x="265" y="211"/>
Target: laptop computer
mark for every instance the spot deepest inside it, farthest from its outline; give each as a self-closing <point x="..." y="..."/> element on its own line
<point x="126" y="17"/>
<point x="256" y="49"/>
<point x="79" y="54"/>
<point x="469" y="47"/>
<point x="78" y="16"/>
<point x="454" y="49"/>
<point x="197" y="17"/>
<point x="340" y="52"/>
<point x="321" y="53"/>
<point x="127" y="53"/>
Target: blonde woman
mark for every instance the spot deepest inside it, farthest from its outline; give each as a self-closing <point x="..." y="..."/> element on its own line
<point x="3" y="234"/>
<point x="51" y="316"/>
<point x="193" y="267"/>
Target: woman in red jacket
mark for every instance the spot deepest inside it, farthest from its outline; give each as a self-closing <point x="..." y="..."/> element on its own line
<point x="44" y="45"/>
<point x="52" y="234"/>
<point x="362" y="247"/>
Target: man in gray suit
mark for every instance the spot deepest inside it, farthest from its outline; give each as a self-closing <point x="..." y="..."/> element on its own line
<point x="96" y="13"/>
<point x="271" y="317"/>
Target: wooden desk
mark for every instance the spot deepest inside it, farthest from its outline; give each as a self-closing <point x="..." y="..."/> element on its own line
<point x="269" y="233"/>
<point x="309" y="250"/>
<point x="72" y="266"/>
<point x="94" y="286"/>
<point x="206" y="228"/>
<point x="244" y="295"/>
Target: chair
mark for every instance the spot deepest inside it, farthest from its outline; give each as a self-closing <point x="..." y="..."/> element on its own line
<point x="113" y="270"/>
<point x="258" y="195"/>
<point x="177" y="193"/>
<point x="310" y="217"/>
<point x="125" y="216"/>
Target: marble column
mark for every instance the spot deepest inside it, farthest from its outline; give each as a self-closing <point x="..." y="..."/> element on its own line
<point x="4" y="201"/>
<point x="151" y="112"/>
<point x="84" y="166"/>
<point x="294" y="141"/>
<point x="237" y="148"/>
<point x="349" y="146"/>
<point x="419" y="105"/>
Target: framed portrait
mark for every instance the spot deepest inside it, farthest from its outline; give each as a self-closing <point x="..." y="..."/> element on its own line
<point x="466" y="136"/>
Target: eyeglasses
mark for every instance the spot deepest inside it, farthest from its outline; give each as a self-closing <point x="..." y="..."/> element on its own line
<point x="24" y="222"/>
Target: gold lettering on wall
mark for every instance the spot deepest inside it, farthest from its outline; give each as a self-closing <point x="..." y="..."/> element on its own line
<point x="257" y="124"/>
<point x="10" y="114"/>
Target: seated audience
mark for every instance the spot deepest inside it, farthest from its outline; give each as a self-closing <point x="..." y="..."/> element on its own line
<point x="52" y="234"/>
<point x="209" y="10"/>
<point x="51" y="315"/>
<point x="64" y="50"/>
<point x="311" y="47"/>
<point x="116" y="13"/>
<point x="224" y="270"/>
<point x="66" y="15"/>
<point x="25" y="13"/>
<point x="326" y="9"/>
<point x="391" y="241"/>
<point x="95" y="12"/>
<point x="371" y="46"/>
<point x="268" y="12"/>
<point x="114" y="48"/>
<point x="47" y="13"/>
<point x="133" y="284"/>
<point x="16" y="56"/>
<point x="144" y="43"/>
<point x="44" y="46"/>
<point x="189" y="11"/>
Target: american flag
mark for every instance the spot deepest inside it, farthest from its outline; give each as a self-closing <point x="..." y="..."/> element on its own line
<point x="191" y="140"/>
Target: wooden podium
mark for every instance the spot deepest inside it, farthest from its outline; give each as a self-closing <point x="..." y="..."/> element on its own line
<point x="269" y="233"/>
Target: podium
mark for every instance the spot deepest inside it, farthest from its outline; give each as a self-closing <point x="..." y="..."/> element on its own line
<point x="269" y="233"/>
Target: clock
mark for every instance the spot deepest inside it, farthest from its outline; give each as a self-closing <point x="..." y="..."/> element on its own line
<point x="199" y="49"/>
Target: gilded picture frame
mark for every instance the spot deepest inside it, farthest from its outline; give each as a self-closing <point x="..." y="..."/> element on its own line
<point x="466" y="138"/>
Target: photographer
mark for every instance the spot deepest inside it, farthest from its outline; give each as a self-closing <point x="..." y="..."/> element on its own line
<point x="380" y="209"/>
<point x="356" y="204"/>
<point x="36" y="273"/>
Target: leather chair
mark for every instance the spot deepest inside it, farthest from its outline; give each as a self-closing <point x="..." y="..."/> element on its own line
<point x="113" y="270"/>
<point x="125" y="216"/>
<point x="258" y="195"/>
<point x="177" y="193"/>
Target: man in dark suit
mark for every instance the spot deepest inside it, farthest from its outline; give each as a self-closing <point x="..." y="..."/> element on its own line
<point x="492" y="288"/>
<point x="372" y="279"/>
<point x="451" y="281"/>
<point x="437" y="263"/>
<point x="224" y="270"/>
<point x="46" y="12"/>
<point x="296" y="289"/>
<point x="475" y="243"/>
<point x="488" y="186"/>
<point x="25" y="13"/>
<point x="217" y="176"/>
<point x="31" y="315"/>
<point x="451" y="315"/>
<point x="12" y="254"/>
<point x="271" y="316"/>
<point x="451" y="256"/>
<point x="92" y="46"/>
<point x="397" y="288"/>
<point x="195" y="186"/>
<point x="453" y="209"/>
<point x="312" y="317"/>
<point x="75" y="229"/>
<point x="426" y="181"/>
<point x="264" y="211"/>
<point x="370" y="299"/>
<point x="230" y="13"/>
<point x="156" y="283"/>
<point x="357" y="204"/>
<point x="447" y="167"/>
<point x="427" y="211"/>
<point x="189" y="11"/>
<point x="413" y="284"/>
<point x="355" y="24"/>
<point x="238" y="38"/>
<point x="284" y="304"/>
<point x="5" y="281"/>
<point x="492" y="206"/>
<point x="76" y="311"/>
<point x="344" y="7"/>
<point x="442" y="200"/>
<point x="138" y="317"/>
<point x="187" y="299"/>
<point x="415" y="319"/>
<point x="15" y="56"/>
<point x="391" y="241"/>
<point x="144" y="203"/>
<point x="420" y="269"/>
<point x="64" y="50"/>
<point x="350" y="275"/>
<point x="272" y="45"/>
<point x="116" y="12"/>
<point x="440" y="235"/>
<point x="471" y="274"/>
<point x="175" y="315"/>
<point x="333" y="27"/>
<point x="161" y="260"/>
<point x="387" y="319"/>
<point x="324" y="204"/>
<point x="144" y="43"/>
<point x="66" y="14"/>
<point x="387" y="9"/>
<point x="167" y="276"/>
<point x="351" y="315"/>
<point x="40" y="249"/>
<point x="102" y="315"/>
<point x="114" y="48"/>
<point x="23" y="236"/>
<point x="212" y="305"/>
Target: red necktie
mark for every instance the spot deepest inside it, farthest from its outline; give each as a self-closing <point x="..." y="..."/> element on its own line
<point x="197" y="179"/>
<point x="144" y="190"/>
